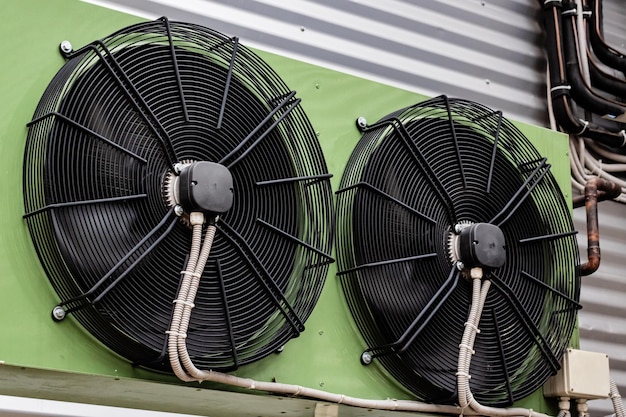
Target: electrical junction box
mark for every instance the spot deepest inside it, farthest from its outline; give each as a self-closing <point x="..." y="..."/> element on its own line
<point x="582" y="375"/>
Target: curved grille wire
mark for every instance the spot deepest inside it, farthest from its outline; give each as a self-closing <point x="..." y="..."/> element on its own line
<point x="397" y="205"/>
<point x="103" y="139"/>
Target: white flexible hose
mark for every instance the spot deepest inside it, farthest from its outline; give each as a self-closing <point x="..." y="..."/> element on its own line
<point x="616" y="399"/>
<point x="577" y="167"/>
<point x="605" y="153"/>
<point x="581" y="149"/>
<point x="175" y="333"/>
<point x="551" y="118"/>
<point x="582" y="42"/>
<point x="583" y="164"/>
<point x="177" y="349"/>
<point x="466" y="398"/>
<point x="604" y="165"/>
<point x="191" y="296"/>
<point x="597" y="168"/>
<point x="466" y="345"/>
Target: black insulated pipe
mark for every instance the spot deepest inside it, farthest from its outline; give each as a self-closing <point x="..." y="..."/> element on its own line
<point x="599" y="77"/>
<point x="581" y="93"/>
<point x="560" y="91"/>
<point x="606" y="82"/>
<point x="605" y="53"/>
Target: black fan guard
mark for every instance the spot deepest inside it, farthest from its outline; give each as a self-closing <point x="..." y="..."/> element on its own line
<point x="101" y="149"/>
<point x="413" y="177"/>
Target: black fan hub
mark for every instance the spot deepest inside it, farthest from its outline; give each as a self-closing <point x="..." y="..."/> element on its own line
<point x="482" y="245"/>
<point x="207" y="187"/>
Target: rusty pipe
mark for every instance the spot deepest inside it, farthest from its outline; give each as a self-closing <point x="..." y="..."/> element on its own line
<point x="596" y="189"/>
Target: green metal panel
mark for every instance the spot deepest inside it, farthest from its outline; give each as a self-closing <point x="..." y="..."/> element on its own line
<point x="325" y="356"/>
<point x="31" y="33"/>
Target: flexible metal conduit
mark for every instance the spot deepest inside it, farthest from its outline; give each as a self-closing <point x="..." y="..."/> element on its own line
<point x="480" y="289"/>
<point x="560" y="88"/>
<point x="185" y="369"/>
<point x="616" y="399"/>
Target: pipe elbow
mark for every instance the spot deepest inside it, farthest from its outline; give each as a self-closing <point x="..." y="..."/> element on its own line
<point x="596" y="189"/>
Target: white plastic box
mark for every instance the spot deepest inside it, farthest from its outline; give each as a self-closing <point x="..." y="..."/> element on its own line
<point x="582" y="375"/>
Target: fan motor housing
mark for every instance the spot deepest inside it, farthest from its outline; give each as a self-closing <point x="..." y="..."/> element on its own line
<point x="206" y="186"/>
<point x="482" y="245"/>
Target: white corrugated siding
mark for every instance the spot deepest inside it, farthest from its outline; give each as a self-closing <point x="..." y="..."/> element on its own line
<point x="489" y="51"/>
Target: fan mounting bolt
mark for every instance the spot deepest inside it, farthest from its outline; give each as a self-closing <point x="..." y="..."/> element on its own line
<point x="66" y="47"/>
<point x="178" y="210"/>
<point x="366" y="358"/>
<point x="58" y="313"/>
<point x="361" y="122"/>
<point x="460" y="265"/>
<point x="458" y="228"/>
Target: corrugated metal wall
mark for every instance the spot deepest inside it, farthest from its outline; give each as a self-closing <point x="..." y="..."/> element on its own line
<point x="603" y="317"/>
<point x="602" y="321"/>
<point x="487" y="51"/>
<point x="484" y="50"/>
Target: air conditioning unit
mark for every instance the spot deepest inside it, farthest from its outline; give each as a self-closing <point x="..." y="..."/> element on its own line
<point x="345" y="222"/>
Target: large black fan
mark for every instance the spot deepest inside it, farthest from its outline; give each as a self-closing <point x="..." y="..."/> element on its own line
<point x="429" y="192"/>
<point x="113" y="157"/>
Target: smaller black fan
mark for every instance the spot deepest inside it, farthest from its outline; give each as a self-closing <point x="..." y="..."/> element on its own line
<point x="430" y="191"/>
<point x="133" y="133"/>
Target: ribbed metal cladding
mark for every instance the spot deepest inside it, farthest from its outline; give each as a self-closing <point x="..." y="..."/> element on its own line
<point x="490" y="51"/>
<point x="486" y="51"/>
<point x="614" y="17"/>
<point x="602" y="321"/>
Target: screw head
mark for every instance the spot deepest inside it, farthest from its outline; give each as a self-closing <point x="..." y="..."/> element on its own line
<point x="66" y="47"/>
<point x="58" y="313"/>
<point x="460" y="265"/>
<point x="366" y="358"/>
<point x="361" y="122"/>
<point x="178" y="210"/>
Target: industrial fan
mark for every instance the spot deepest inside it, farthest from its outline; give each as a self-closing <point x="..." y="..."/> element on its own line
<point x="141" y="128"/>
<point x="430" y="192"/>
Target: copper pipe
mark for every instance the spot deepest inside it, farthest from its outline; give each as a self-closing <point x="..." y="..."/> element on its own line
<point x="596" y="190"/>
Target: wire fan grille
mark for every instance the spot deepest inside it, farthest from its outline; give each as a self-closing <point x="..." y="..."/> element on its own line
<point x="413" y="176"/>
<point x="104" y="139"/>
